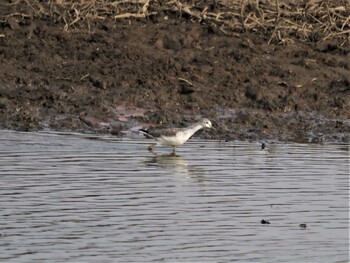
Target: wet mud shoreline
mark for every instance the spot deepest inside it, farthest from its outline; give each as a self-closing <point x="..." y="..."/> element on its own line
<point x="125" y="74"/>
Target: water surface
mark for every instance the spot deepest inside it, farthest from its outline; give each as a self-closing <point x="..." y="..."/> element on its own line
<point x="84" y="198"/>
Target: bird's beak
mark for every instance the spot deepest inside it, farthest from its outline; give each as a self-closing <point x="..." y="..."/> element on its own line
<point x="212" y="128"/>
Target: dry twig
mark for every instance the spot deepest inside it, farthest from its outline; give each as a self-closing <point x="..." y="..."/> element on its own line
<point x="312" y="20"/>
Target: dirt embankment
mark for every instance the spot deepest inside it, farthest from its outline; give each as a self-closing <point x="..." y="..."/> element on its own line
<point x="66" y="70"/>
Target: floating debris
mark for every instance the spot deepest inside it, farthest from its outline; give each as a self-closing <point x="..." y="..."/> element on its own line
<point x="265" y="222"/>
<point x="303" y="226"/>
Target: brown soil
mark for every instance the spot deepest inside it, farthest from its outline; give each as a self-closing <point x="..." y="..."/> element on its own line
<point x="118" y="75"/>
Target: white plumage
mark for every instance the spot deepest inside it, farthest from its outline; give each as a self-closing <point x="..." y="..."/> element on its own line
<point x="175" y="136"/>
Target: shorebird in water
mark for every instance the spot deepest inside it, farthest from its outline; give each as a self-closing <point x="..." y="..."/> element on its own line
<point x="174" y="136"/>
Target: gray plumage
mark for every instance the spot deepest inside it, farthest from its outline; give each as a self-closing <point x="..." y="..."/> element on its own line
<point x="156" y="133"/>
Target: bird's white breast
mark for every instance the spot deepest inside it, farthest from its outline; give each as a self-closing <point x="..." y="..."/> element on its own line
<point x="179" y="139"/>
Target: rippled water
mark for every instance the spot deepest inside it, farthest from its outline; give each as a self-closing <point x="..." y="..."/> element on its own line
<point x="80" y="198"/>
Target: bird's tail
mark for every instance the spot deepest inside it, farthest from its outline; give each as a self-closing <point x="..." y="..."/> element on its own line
<point x="146" y="133"/>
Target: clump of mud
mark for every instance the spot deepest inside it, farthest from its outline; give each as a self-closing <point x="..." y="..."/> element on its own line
<point x="260" y="70"/>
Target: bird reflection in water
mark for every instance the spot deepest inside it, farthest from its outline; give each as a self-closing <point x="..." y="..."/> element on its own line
<point x="177" y="165"/>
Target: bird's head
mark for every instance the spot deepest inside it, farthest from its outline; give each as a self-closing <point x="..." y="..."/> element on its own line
<point x="206" y="123"/>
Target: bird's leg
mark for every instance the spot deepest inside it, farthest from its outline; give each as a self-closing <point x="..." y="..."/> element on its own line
<point x="150" y="148"/>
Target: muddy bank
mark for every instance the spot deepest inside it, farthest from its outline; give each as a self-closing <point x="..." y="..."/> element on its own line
<point x="121" y="75"/>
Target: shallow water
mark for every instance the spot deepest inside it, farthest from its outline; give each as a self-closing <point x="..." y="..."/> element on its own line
<point x="82" y="198"/>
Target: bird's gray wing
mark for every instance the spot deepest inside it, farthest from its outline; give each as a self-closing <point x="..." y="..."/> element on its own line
<point x="156" y="133"/>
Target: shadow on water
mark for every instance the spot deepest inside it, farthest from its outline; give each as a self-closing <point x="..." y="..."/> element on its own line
<point x="72" y="197"/>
